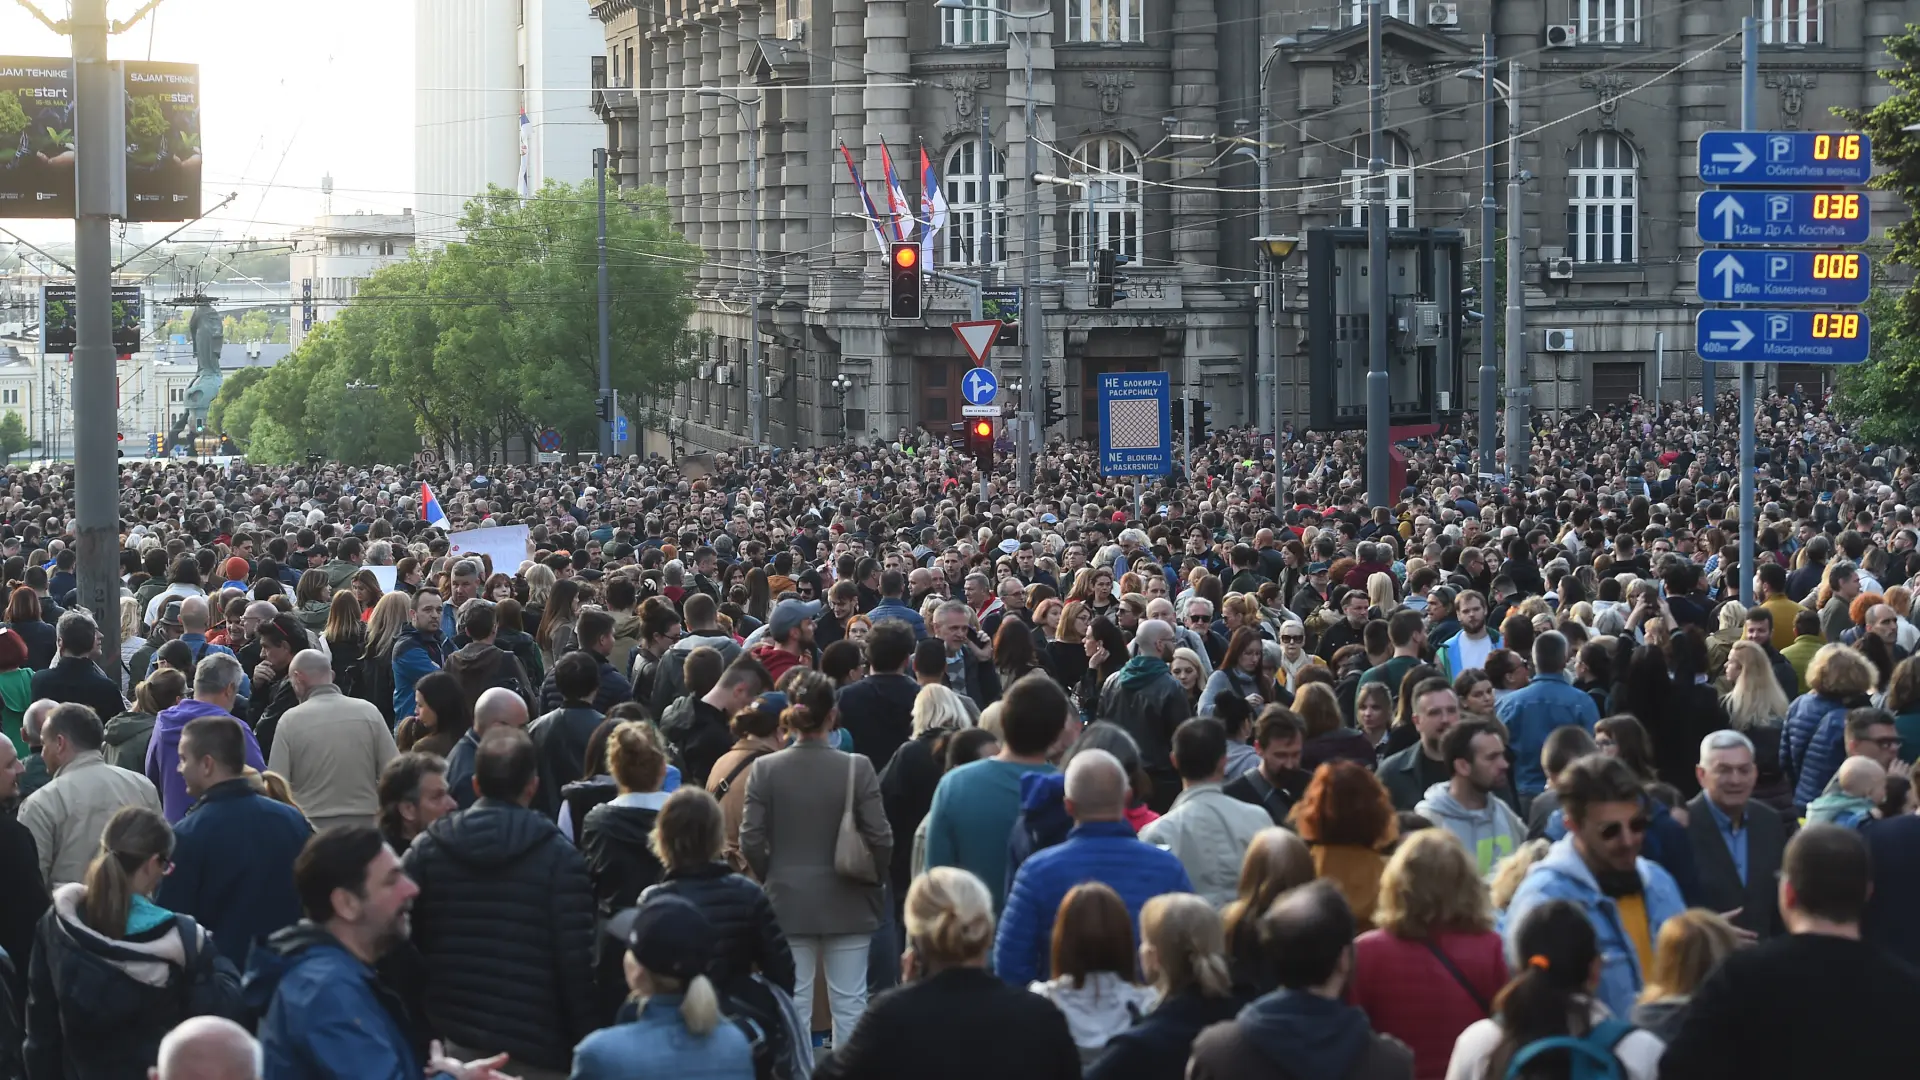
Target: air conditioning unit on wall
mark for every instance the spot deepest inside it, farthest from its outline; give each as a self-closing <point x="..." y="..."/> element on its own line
<point x="1561" y="36"/>
<point x="1560" y="340"/>
<point x="1560" y="269"/>
<point x="796" y="29"/>
<point x="1443" y="14"/>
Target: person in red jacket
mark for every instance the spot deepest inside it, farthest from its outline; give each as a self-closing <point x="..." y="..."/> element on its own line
<point x="1434" y="964"/>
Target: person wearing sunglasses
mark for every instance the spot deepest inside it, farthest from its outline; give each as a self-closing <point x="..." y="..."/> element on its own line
<point x="1598" y="866"/>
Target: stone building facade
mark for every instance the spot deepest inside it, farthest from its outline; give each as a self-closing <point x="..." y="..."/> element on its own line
<point x="1162" y="98"/>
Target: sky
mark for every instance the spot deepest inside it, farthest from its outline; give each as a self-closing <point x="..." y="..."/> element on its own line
<point x="291" y="91"/>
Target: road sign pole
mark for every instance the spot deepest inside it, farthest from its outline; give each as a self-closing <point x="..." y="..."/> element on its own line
<point x="1379" y="399"/>
<point x="1749" y="384"/>
<point x="96" y="470"/>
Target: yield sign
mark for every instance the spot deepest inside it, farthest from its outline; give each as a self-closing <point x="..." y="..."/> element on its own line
<point x="978" y="337"/>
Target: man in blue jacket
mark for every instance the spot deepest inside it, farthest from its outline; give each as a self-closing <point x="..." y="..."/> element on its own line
<point x="893" y="586"/>
<point x="1102" y="847"/>
<point x="234" y="850"/>
<point x="1533" y="712"/>
<point x="1597" y="866"/>
<point x="325" y="1014"/>
<point x="419" y="650"/>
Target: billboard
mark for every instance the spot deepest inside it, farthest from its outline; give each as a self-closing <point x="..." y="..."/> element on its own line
<point x="60" y="323"/>
<point x="36" y="137"/>
<point x="163" y="141"/>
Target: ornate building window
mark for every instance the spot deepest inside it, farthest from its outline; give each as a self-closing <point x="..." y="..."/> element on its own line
<point x="1606" y="22"/>
<point x="971" y="26"/>
<point x="1399" y="184"/>
<point x="1603" y="200"/>
<point x="1105" y="20"/>
<point x="1792" y="22"/>
<point x="1112" y="169"/>
<point x="1391" y="9"/>
<point x="976" y="221"/>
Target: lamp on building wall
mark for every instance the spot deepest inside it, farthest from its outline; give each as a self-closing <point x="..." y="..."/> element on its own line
<point x="1277" y="248"/>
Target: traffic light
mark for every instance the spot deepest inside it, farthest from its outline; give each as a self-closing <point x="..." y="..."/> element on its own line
<point x="1177" y="420"/>
<point x="155" y="443"/>
<point x="1106" y="277"/>
<point x="1056" y="409"/>
<point x="903" y="281"/>
<point x="1200" y="410"/>
<point x="603" y="405"/>
<point x="980" y="436"/>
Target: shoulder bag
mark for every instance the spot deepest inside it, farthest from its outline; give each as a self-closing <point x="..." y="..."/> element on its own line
<point x="851" y="857"/>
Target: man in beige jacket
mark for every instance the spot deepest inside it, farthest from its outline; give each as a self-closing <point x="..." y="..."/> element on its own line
<point x="67" y="816"/>
<point x="330" y="748"/>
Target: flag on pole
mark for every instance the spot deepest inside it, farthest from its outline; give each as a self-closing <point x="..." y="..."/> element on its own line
<point x="526" y="155"/>
<point x="430" y="510"/>
<point x="866" y="199"/>
<point x="897" y="204"/>
<point x="933" y="208"/>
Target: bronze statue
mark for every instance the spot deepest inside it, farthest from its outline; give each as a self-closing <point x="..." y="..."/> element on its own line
<point x="206" y="333"/>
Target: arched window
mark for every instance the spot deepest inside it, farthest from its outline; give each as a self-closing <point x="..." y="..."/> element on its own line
<point x="1112" y="169"/>
<point x="1399" y="183"/>
<point x="1603" y="200"/>
<point x="1105" y="20"/>
<point x="976" y="220"/>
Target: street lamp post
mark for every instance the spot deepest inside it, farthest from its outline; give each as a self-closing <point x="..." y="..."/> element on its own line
<point x="842" y="385"/>
<point x="1030" y="338"/>
<point x="756" y="406"/>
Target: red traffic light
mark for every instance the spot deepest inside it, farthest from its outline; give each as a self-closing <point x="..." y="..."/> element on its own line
<point x="983" y="428"/>
<point x="905" y="256"/>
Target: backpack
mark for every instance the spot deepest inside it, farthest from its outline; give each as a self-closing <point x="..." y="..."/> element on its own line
<point x="1589" y="1057"/>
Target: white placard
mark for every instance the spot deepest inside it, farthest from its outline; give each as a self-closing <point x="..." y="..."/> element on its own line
<point x="387" y="576"/>
<point x="505" y="544"/>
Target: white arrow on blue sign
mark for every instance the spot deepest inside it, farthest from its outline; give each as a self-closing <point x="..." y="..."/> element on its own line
<point x="978" y="386"/>
<point x="1827" y="278"/>
<point x="1776" y="337"/>
<point x="1820" y="218"/>
<point x="1813" y="158"/>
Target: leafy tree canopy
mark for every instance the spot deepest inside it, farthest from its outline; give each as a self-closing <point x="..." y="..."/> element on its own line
<point x="477" y="341"/>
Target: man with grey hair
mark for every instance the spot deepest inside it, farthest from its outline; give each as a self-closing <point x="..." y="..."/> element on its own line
<point x="216" y="690"/>
<point x="1144" y="698"/>
<point x="1102" y="847"/>
<point x="1534" y="711"/>
<point x="464" y="585"/>
<point x="207" y="1048"/>
<point x="330" y="748"/>
<point x="970" y="669"/>
<point x="1738" y="842"/>
<point x="258" y="614"/>
<point x="1161" y="608"/>
<point x="35" y="775"/>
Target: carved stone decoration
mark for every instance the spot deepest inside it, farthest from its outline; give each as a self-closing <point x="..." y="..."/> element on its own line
<point x="1398" y="73"/>
<point x="1793" y="87"/>
<point x="965" y="88"/>
<point x="1111" y="85"/>
<point x="1609" y="86"/>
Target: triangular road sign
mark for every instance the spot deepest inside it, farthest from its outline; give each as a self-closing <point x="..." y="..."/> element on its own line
<point x="978" y="337"/>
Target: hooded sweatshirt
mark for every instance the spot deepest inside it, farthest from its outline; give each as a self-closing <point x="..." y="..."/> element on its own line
<point x="1103" y="1006"/>
<point x="163" y="753"/>
<point x="1311" y="1037"/>
<point x="1491" y="833"/>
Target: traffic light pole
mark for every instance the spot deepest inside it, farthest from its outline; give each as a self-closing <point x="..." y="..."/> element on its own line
<point x="1025" y="439"/>
<point x="605" y="410"/>
<point x="1749" y="384"/>
<point x="1379" y="404"/>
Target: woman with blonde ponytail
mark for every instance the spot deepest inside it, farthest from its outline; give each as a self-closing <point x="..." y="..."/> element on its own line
<point x="1183" y="952"/>
<point x="679" y="1031"/>
<point x="952" y="1019"/>
<point x="143" y="968"/>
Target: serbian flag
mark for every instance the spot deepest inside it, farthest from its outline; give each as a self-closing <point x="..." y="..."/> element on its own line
<point x="933" y="209"/>
<point x="430" y="508"/>
<point x="897" y="204"/>
<point x="866" y="199"/>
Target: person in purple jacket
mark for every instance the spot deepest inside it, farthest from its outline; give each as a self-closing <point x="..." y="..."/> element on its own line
<point x="216" y="685"/>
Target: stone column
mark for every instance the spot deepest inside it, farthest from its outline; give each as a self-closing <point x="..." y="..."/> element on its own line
<point x="852" y="244"/>
<point x="1195" y="94"/>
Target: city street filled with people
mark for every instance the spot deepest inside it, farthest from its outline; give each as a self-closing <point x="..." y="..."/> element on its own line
<point x="770" y="764"/>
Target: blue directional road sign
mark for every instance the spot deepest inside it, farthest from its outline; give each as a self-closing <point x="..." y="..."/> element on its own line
<point x="619" y="429"/>
<point x="979" y="386"/>
<point x="1813" y="158"/>
<point x="1824" y="218"/>
<point x="1746" y="276"/>
<point x="1136" y="424"/>
<point x="1796" y="337"/>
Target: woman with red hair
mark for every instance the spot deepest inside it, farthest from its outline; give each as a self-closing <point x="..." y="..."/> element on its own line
<point x="1347" y="819"/>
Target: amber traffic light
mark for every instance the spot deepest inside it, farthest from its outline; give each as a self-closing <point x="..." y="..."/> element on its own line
<point x="903" y="281"/>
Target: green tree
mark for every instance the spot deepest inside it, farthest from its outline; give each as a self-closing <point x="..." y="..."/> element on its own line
<point x="231" y="387"/>
<point x="1883" y="394"/>
<point x="13" y="436"/>
<point x="479" y="341"/>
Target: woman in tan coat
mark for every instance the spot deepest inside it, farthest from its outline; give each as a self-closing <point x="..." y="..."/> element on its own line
<point x="789" y="836"/>
<point x="755" y="732"/>
<point x="1347" y="820"/>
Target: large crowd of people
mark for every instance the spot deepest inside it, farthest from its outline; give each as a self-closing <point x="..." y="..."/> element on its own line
<point x="773" y="764"/>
